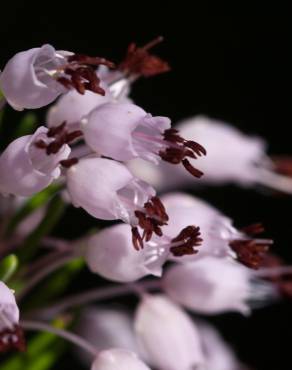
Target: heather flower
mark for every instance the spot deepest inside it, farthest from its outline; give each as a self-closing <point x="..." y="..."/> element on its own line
<point x="11" y="335"/>
<point x="213" y="285"/>
<point x="118" y="359"/>
<point x="218" y="235"/>
<point x="167" y="335"/>
<point x="100" y="325"/>
<point x="217" y="353"/>
<point x="233" y="157"/>
<point x="107" y="190"/>
<point x="124" y="131"/>
<point x="30" y="163"/>
<point x="110" y="253"/>
<point x="36" y="77"/>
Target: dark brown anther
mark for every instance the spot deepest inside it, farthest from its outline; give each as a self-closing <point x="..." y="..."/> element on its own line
<point x="191" y="169"/>
<point x="56" y="130"/>
<point x="253" y="229"/>
<point x="41" y="144"/>
<point x="71" y="136"/>
<point x="179" y="149"/>
<point x="249" y="252"/>
<point x="187" y="240"/>
<point x="137" y="239"/>
<point x="150" y="220"/>
<point x="12" y="339"/>
<point x="67" y="163"/>
<point x="80" y="73"/>
<point x="139" y="62"/>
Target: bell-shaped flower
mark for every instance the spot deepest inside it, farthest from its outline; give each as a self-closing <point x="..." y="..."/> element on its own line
<point x="213" y="285"/>
<point x="100" y="325"/>
<point x="106" y="189"/>
<point x="142" y="135"/>
<point x="167" y="335"/>
<point x="233" y="157"/>
<point x="219" y="237"/>
<point x="36" y="77"/>
<point x="218" y="355"/>
<point x="72" y="107"/>
<point x="110" y="253"/>
<point x="11" y="335"/>
<point x="30" y="163"/>
<point x="118" y="359"/>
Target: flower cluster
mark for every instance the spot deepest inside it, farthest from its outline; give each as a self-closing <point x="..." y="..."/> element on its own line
<point x="101" y="152"/>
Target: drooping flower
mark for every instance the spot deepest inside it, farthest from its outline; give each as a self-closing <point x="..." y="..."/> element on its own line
<point x="124" y="131"/>
<point x="233" y="157"/>
<point x="11" y="335"/>
<point x="36" y="77"/>
<point x="107" y="190"/>
<point x="30" y="163"/>
<point x="72" y="107"/>
<point x="167" y="335"/>
<point x="110" y="253"/>
<point x="218" y="355"/>
<point x="213" y="285"/>
<point x="106" y="328"/>
<point x="219" y="237"/>
<point x="118" y="359"/>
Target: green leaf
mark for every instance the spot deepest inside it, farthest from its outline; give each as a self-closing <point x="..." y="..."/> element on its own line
<point x="8" y="266"/>
<point x="54" y="212"/>
<point x="27" y="125"/>
<point x="31" y="205"/>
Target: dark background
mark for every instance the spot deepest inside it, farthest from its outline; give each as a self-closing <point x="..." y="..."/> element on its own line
<point x="228" y="63"/>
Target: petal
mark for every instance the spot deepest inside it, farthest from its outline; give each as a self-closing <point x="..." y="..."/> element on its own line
<point x="8" y="307"/>
<point x="93" y="184"/>
<point x="167" y="335"/>
<point x="72" y="107"/>
<point x="108" y="128"/>
<point x="18" y="176"/>
<point x="20" y="84"/>
<point x="100" y="326"/>
<point x="209" y="285"/>
<point x="118" y="359"/>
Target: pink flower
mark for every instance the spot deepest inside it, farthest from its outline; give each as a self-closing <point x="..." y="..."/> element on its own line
<point x="217" y="353"/>
<point x="167" y="335"/>
<point x="233" y="157"/>
<point x="118" y="359"/>
<point x="30" y="163"/>
<point x="36" y="77"/>
<point x="100" y="326"/>
<point x="124" y="131"/>
<point x="11" y="335"/>
<point x="213" y="285"/>
<point x="107" y="190"/>
<point x="219" y="237"/>
<point x="110" y="253"/>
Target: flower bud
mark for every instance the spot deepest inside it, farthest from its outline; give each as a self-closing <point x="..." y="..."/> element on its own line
<point x="167" y="335"/>
<point x="118" y="359"/>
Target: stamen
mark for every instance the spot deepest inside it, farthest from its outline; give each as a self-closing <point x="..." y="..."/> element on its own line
<point x="139" y="62"/>
<point x="251" y="252"/>
<point x="80" y="73"/>
<point x="179" y="149"/>
<point x="186" y="241"/>
<point x="12" y="338"/>
<point x="67" y="163"/>
<point x="61" y="136"/>
<point x="150" y="220"/>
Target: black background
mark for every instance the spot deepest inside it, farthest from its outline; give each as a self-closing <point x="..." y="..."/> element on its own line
<point x="228" y="63"/>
